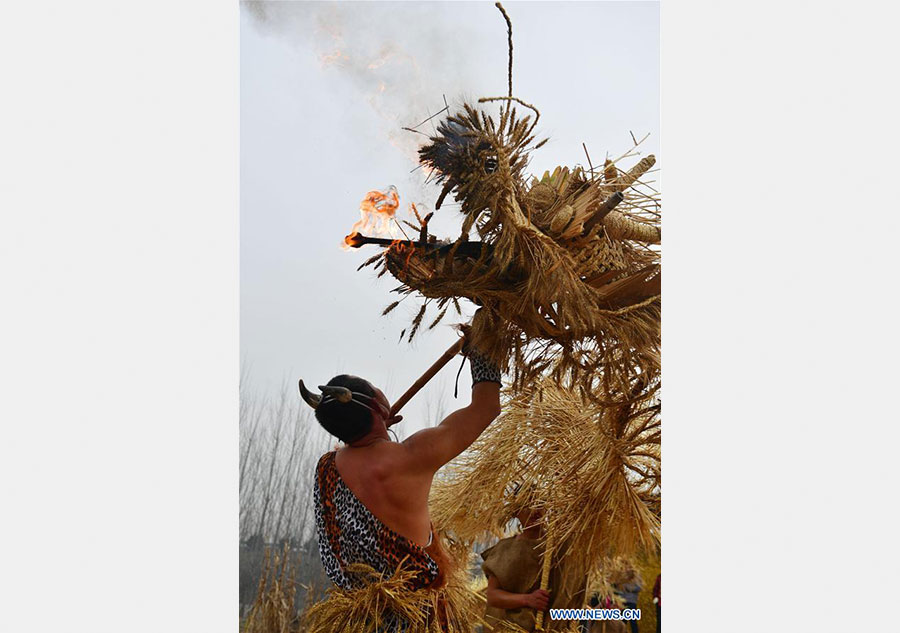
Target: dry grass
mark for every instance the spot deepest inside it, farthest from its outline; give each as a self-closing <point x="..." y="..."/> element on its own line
<point x="594" y="471"/>
<point x="384" y="601"/>
<point x="273" y="609"/>
<point x="457" y="607"/>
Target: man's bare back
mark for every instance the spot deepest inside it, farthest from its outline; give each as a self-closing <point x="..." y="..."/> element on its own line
<point x="375" y="474"/>
<point x="393" y="479"/>
<point x="371" y="496"/>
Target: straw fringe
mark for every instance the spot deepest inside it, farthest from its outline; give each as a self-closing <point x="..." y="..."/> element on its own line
<point x="593" y="470"/>
<point x="382" y="602"/>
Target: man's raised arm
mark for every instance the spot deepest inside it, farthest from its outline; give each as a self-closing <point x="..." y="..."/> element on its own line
<point x="430" y="449"/>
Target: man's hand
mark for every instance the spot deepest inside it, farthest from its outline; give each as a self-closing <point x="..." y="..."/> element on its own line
<point x="501" y="599"/>
<point x="538" y="599"/>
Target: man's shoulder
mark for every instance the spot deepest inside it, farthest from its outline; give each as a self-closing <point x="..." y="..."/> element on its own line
<point x="500" y="547"/>
<point x="389" y="457"/>
<point x="381" y="461"/>
<point x="324" y="459"/>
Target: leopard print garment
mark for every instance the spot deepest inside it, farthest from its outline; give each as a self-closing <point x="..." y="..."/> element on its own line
<point x="349" y="533"/>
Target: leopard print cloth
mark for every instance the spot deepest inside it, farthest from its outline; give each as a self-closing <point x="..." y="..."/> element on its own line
<point x="483" y="370"/>
<point x="349" y="533"/>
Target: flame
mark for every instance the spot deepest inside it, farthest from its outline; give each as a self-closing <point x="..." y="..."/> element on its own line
<point x="376" y="211"/>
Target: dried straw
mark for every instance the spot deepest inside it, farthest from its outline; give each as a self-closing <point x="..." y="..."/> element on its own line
<point x="273" y="609"/>
<point x="593" y="470"/>
<point x="564" y="289"/>
<point x="386" y="604"/>
<point x="570" y="272"/>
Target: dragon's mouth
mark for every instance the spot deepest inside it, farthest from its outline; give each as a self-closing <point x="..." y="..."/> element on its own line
<point x="460" y="250"/>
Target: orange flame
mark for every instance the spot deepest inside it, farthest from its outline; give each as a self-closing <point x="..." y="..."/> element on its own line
<point x="376" y="211"/>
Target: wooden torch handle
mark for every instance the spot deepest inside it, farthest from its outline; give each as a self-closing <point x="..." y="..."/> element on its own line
<point x="445" y="358"/>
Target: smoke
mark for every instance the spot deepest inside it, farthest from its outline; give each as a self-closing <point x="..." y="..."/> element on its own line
<point x="398" y="56"/>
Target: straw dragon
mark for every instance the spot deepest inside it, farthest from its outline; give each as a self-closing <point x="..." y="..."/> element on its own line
<point x="566" y="264"/>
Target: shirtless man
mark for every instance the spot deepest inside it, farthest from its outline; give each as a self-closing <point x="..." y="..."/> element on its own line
<point x="371" y="495"/>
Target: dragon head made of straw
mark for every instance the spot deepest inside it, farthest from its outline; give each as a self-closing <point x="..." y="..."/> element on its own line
<point x="480" y="160"/>
<point x="565" y="267"/>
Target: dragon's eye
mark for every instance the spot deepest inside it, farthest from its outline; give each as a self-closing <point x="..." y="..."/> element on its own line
<point x="490" y="164"/>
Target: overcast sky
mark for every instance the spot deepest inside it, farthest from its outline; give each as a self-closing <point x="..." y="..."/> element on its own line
<point x="325" y="89"/>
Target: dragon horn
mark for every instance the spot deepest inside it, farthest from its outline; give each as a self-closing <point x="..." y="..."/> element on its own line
<point x="341" y="394"/>
<point x="312" y="399"/>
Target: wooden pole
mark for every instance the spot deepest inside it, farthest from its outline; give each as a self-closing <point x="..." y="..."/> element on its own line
<point x="545" y="578"/>
<point x="445" y="358"/>
<point x="602" y="211"/>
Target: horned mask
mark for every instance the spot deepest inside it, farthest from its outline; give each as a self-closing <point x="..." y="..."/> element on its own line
<point x="340" y="394"/>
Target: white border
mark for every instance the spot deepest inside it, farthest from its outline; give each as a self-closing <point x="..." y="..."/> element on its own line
<point x="118" y="264"/>
<point x="118" y="256"/>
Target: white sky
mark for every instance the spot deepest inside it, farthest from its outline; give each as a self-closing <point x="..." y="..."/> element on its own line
<point x="317" y="135"/>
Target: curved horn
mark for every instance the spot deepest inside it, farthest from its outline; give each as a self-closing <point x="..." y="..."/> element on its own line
<point x="312" y="399"/>
<point x="341" y="394"/>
